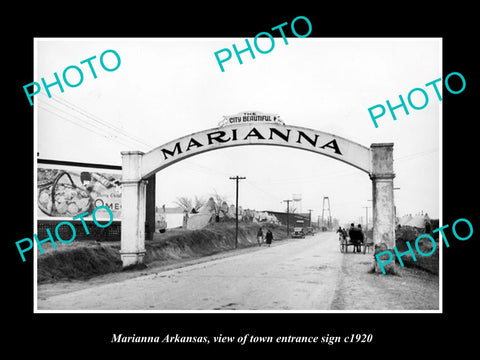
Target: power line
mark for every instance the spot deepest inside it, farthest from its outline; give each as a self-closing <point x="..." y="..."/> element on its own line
<point x="316" y="178"/>
<point x="83" y="112"/>
<point x="94" y="118"/>
<point x="204" y="168"/>
<point x="417" y="155"/>
<point x="42" y="106"/>
<point x="251" y="183"/>
<point x="100" y="132"/>
<point x="288" y="216"/>
<point x="109" y="137"/>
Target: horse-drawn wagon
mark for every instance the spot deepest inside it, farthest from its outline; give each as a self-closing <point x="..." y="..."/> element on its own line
<point x="356" y="239"/>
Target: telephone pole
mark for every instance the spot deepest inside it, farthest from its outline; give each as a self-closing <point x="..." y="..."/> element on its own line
<point x="366" y="217"/>
<point x="236" y="178"/>
<point x="288" y="216"/>
<point x="329" y="213"/>
<point x="310" y="218"/>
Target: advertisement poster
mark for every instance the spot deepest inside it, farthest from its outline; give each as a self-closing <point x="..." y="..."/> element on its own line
<point x="65" y="192"/>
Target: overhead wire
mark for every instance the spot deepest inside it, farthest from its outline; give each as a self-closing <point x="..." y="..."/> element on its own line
<point x="97" y="122"/>
<point x="103" y="122"/>
<point x="262" y="191"/>
<point x="416" y="155"/>
<point x="87" y="126"/>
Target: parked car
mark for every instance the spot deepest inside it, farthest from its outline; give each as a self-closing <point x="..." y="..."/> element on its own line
<point x="309" y="231"/>
<point x="298" y="233"/>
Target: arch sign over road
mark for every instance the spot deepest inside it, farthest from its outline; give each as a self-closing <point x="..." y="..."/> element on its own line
<point x="253" y="128"/>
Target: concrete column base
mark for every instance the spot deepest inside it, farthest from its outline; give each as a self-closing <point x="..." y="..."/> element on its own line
<point x="390" y="268"/>
<point x="132" y="259"/>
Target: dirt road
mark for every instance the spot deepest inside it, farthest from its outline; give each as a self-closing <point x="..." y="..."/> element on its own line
<point x="300" y="274"/>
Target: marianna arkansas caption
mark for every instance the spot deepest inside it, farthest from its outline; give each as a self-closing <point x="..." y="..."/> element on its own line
<point x="242" y="340"/>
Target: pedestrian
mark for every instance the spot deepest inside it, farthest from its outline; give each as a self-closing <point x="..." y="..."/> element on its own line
<point x="353" y="234"/>
<point x="260" y="237"/>
<point x="339" y="231"/>
<point x="269" y="237"/>
<point x="361" y="238"/>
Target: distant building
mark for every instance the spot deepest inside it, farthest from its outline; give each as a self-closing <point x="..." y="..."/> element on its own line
<point x="420" y="221"/>
<point x="168" y="217"/>
<point x="293" y="218"/>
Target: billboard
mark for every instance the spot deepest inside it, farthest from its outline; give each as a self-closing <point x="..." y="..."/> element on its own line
<point x="65" y="191"/>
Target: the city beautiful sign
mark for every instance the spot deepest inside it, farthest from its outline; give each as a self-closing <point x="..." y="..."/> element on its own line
<point x="250" y="116"/>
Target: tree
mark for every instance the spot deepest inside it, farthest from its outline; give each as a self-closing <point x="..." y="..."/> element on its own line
<point x="184" y="202"/>
<point x="198" y="202"/>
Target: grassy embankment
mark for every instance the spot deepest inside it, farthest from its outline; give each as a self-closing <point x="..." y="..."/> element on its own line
<point x="410" y="234"/>
<point x="85" y="259"/>
<point x="426" y="263"/>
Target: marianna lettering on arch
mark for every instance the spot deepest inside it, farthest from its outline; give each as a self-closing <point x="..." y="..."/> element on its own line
<point x="246" y="134"/>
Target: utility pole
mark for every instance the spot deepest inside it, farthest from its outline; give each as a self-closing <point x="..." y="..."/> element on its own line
<point x="236" y="207"/>
<point x="395" y="207"/>
<point x="288" y="216"/>
<point x="310" y="218"/>
<point x="366" y="216"/>
<point x="323" y="212"/>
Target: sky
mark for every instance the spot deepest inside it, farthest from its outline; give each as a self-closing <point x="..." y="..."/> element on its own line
<point x="166" y="88"/>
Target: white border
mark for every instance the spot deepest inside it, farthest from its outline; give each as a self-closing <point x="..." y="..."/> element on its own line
<point x="440" y="191"/>
<point x="34" y="174"/>
<point x="35" y="144"/>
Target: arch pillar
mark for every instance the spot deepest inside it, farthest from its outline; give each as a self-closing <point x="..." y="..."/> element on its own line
<point x="382" y="176"/>
<point x="133" y="210"/>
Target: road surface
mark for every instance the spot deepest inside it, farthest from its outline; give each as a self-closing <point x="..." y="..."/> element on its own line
<point x="297" y="274"/>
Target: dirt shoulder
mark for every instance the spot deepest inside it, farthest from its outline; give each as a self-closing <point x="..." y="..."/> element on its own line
<point x="46" y="290"/>
<point x="359" y="288"/>
<point x="83" y="260"/>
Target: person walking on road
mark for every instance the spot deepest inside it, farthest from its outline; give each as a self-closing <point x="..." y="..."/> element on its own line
<point x="269" y="237"/>
<point x="361" y="238"/>
<point x="260" y="237"/>
<point x="353" y="234"/>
